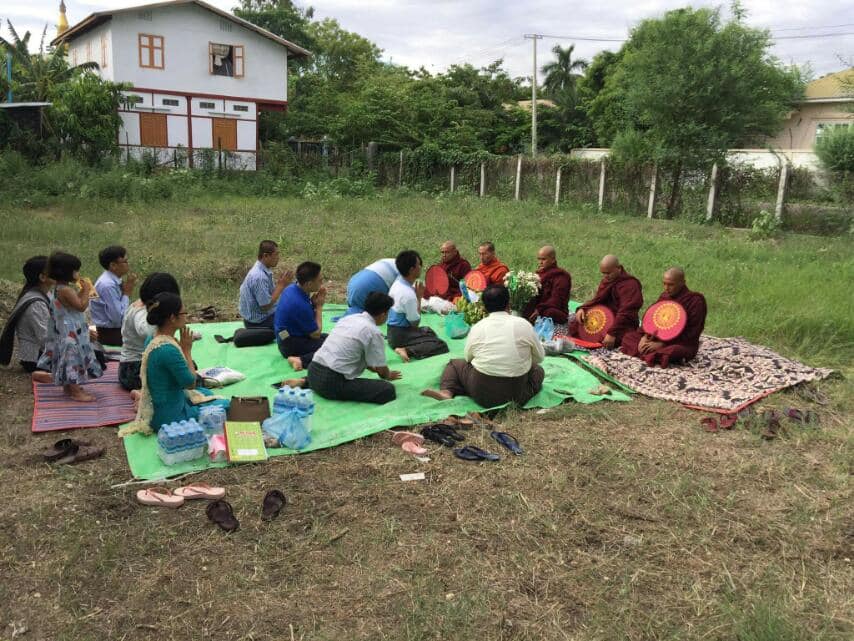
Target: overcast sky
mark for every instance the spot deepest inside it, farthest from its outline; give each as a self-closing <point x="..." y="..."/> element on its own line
<point x="439" y="33"/>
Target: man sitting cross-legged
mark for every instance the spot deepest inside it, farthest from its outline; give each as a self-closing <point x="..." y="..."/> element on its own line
<point x="404" y="335"/>
<point x="354" y="345"/>
<point x="299" y="316"/>
<point x="502" y="356"/>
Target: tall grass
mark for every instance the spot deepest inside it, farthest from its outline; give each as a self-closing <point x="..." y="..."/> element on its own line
<point x="792" y="293"/>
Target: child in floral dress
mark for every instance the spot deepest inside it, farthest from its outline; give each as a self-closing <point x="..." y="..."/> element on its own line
<point x="68" y="352"/>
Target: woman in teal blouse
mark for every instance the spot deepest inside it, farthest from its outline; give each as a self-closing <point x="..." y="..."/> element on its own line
<point x="169" y="375"/>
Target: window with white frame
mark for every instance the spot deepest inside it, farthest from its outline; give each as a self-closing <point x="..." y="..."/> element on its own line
<point x="226" y="60"/>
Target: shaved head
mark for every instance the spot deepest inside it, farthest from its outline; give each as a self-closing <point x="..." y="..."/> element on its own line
<point x="674" y="280"/>
<point x="610" y="268"/>
<point x="448" y="245"/>
<point x="449" y="251"/>
<point x="546" y="257"/>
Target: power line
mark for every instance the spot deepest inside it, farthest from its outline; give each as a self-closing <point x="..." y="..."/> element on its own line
<point x="827" y="26"/>
<point x="815" y="36"/>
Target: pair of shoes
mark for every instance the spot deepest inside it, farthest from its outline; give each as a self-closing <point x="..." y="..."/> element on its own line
<point x="442" y="434"/>
<point x="409" y="442"/>
<point x="711" y="424"/>
<point x="221" y="512"/>
<point x="164" y="497"/>
<point x="69" y="451"/>
<point x="472" y="453"/>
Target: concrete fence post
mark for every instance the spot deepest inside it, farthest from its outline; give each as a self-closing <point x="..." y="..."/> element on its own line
<point x="518" y="175"/>
<point x="781" y="192"/>
<point x="650" y="208"/>
<point x="453" y="177"/>
<point x="713" y="193"/>
<point x="400" y="170"/>
<point x="482" y="179"/>
<point x="557" y="185"/>
<point x="601" y="184"/>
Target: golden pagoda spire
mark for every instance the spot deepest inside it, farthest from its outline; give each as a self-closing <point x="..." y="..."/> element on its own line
<point x="62" y="25"/>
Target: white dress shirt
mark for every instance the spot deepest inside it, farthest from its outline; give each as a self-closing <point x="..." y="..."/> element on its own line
<point x="503" y="345"/>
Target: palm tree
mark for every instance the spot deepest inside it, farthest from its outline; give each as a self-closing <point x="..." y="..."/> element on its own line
<point x="37" y="74"/>
<point x="561" y="75"/>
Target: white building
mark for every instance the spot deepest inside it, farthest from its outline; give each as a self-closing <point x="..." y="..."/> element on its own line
<point x="200" y="77"/>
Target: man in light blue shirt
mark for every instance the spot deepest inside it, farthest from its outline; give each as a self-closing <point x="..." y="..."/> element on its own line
<point x="376" y="277"/>
<point x="108" y="309"/>
<point x="258" y="295"/>
<point x="404" y="334"/>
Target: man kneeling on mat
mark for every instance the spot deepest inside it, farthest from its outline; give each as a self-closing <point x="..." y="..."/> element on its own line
<point x="354" y="345"/>
<point x="299" y="316"/>
<point x="502" y="356"/>
<point x="404" y="335"/>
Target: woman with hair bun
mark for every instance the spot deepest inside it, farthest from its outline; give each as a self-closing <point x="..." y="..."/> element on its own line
<point x="167" y="370"/>
<point x="136" y="330"/>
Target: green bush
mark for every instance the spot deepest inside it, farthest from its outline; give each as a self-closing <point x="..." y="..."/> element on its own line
<point x="835" y="149"/>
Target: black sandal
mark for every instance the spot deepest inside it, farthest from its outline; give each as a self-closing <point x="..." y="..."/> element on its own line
<point x="221" y="513"/>
<point x="274" y="501"/>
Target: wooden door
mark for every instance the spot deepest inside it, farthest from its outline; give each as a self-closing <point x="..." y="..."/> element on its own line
<point x="224" y="134"/>
<point x="152" y="130"/>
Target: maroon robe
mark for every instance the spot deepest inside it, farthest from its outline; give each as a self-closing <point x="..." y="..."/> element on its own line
<point x="624" y="297"/>
<point x="682" y="348"/>
<point x="553" y="299"/>
<point x="456" y="270"/>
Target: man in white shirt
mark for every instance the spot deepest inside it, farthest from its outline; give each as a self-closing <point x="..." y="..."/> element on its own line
<point x="502" y="358"/>
<point x="404" y="334"/>
<point x="354" y="345"/>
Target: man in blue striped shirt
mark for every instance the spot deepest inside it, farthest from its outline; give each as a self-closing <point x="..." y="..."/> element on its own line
<point x="258" y="295"/>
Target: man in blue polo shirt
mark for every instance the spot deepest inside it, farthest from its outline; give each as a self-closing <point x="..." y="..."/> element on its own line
<point x="404" y="334"/>
<point x="299" y="317"/>
<point x="258" y="295"/>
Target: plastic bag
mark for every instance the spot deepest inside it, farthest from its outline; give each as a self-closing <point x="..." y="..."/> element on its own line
<point x="545" y="328"/>
<point x="290" y="429"/>
<point x="456" y="326"/>
<point x="223" y="375"/>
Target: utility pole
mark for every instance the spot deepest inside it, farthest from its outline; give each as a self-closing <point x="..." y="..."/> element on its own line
<point x="534" y="37"/>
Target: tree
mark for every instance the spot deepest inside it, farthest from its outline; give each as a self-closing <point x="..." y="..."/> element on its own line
<point x="689" y="87"/>
<point x="281" y="17"/>
<point x="561" y="75"/>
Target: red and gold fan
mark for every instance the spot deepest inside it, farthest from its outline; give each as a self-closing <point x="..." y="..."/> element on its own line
<point x="665" y="320"/>
<point x="476" y="281"/>
<point x="436" y="282"/>
<point x="597" y="321"/>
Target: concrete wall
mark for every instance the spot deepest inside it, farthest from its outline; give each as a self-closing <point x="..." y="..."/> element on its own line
<point x="799" y="130"/>
<point x="187" y="30"/>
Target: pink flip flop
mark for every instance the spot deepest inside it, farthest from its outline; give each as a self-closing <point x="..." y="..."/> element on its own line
<point x="411" y="447"/>
<point x="399" y="438"/>
<point x="159" y="496"/>
<point x="200" y="491"/>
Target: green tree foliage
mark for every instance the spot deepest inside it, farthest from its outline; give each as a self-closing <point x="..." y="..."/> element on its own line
<point x="562" y="75"/>
<point x="281" y="17"/>
<point x="835" y="149"/>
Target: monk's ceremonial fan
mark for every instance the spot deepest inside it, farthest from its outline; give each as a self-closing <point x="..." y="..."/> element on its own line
<point x="597" y="321"/>
<point x="436" y="282"/>
<point x="665" y="320"/>
<point x="475" y="281"/>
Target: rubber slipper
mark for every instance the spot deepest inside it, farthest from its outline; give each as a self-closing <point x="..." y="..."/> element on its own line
<point x="80" y="454"/>
<point x="432" y="434"/>
<point x="795" y="414"/>
<point x="450" y="431"/>
<point x="772" y="425"/>
<point x="509" y="441"/>
<point x="728" y="421"/>
<point x="199" y="491"/>
<point x="399" y="438"/>
<point x="61" y="448"/>
<point x="472" y="453"/>
<point x="411" y="447"/>
<point x="274" y="501"/>
<point x="159" y="496"/>
<point x="221" y="513"/>
<point x="462" y="423"/>
<point x="710" y="424"/>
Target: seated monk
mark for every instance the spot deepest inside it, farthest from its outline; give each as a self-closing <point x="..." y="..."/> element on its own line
<point x="556" y="284"/>
<point x="682" y="348"/>
<point x="502" y="358"/>
<point x="490" y="266"/>
<point x="620" y="292"/>
<point x="455" y="266"/>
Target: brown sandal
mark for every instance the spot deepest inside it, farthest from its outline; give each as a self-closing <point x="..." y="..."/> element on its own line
<point x="274" y="501"/>
<point x="221" y="513"/>
<point x="78" y="453"/>
<point x="62" y="448"/>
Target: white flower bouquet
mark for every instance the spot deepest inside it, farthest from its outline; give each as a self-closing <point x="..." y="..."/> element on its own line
<point x="523" y="286"/>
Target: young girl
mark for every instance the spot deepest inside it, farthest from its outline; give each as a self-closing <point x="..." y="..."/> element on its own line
<point x="68" y="354"/>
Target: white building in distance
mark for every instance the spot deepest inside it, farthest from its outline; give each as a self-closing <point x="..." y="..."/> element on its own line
<point x="200" y="77"/>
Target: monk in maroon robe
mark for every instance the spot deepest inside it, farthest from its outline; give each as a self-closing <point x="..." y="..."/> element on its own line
<point x="682" y="348"/>
<point x="556" y="285"/>
<point x="620" y="292"/>
<point x="455" y="266"/>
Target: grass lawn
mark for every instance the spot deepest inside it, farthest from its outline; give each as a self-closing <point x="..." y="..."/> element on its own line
<point x="622" y="521"/>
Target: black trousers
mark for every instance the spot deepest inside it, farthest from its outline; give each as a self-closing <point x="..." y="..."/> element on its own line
<point x="302" y="346"/>
<point x="267" y="323"/>
<point x="332" y="385"/>
<point x="419" y="342"/>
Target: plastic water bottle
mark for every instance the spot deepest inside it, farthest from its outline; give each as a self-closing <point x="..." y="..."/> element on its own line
<point x="292" y="398"/>
<point x="280" y="403"/>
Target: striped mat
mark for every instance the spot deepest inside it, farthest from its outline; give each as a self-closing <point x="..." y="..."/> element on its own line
<point x="54" y="411"/>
